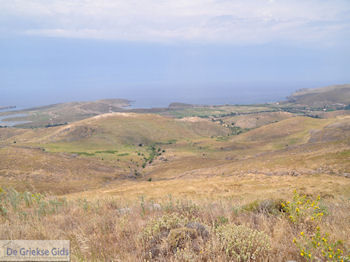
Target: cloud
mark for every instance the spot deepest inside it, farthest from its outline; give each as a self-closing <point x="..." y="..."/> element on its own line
<point x="222" y="21"/>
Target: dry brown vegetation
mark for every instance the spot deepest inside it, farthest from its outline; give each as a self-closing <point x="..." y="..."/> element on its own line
<point x="135" y="187"/>
<point x="172" y="229"/>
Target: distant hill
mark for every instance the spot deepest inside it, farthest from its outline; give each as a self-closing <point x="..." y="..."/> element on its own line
<point x="177" y="105"/>
<point x="337" y="96"/>
<point x="58" y="114"/>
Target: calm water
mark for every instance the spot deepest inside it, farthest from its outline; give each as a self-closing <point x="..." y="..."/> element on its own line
<point x="147" y="96"/>
<point x="12" y="123"/>
<point x="209" y="95"/>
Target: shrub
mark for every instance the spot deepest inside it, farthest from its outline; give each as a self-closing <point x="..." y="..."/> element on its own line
<point x="313" y="244"/>
<point x="317" y="246"/>
<point x="242" y="243"/>
<point x="252" y="206"/>
<point x="163" y="224"/>
<point x="303" y="208"/>
<point x="178" y="237"/>
<point x="173" y="234"/>
<point x="268" y="206"/>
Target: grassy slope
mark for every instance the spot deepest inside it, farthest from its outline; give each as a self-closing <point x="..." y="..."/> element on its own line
<point x="38" y="171"/>
<point x="110" y="152"/>
<point x="190" y="145"/>
<point x="92" y="152"/>
<point x="131" y="129"/>
<point x="268" y="153"/>
<point x="257" y="119"/>
<point x="320" y="97"/>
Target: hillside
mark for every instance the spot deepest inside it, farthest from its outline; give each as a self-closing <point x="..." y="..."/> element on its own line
<point x="126" y="129"/>
<point x="59" y="114"/>
<point x="337" y="96"/>
<point x="145" y="146"/>
<point x="106" y="147"/>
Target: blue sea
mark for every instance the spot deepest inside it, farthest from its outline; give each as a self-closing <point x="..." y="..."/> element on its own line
<point x="161" y="95"/>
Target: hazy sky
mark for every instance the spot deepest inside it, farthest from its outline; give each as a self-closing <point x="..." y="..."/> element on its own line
<point x="59" y="50"/>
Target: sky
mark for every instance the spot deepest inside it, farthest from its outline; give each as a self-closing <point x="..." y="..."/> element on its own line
<point x="159" y="51"/>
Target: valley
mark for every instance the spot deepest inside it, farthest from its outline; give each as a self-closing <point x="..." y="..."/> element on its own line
<point x="136" y="162"/>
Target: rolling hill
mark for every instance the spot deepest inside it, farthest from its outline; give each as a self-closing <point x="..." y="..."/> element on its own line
<point x="157" y="182"/>
<point x="337" y="96"/>
<point x="126" y="144"/>
<point x="124" y="129"/>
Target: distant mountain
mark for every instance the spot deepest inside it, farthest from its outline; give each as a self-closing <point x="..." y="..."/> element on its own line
<point x="337" y="96"/>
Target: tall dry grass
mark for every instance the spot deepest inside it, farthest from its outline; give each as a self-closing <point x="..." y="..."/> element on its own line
<point x="171" y="230"/>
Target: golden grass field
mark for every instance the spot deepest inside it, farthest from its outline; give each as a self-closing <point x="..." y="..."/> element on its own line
<point x="147" y="187"/>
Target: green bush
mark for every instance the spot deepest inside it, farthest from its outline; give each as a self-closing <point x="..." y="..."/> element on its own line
<point x="267" y="206"/>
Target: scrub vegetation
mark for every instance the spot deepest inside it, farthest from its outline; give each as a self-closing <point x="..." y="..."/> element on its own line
<point x="181" y="229"/>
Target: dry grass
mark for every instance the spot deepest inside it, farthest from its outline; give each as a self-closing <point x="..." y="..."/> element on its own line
<point x="243" y="188"/>
<point x="109" y="229"/>
<point x="57" y="173"/>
